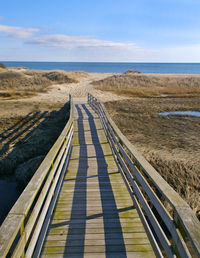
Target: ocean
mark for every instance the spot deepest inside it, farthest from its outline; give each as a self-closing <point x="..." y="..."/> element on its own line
<point x="107" y="67"/>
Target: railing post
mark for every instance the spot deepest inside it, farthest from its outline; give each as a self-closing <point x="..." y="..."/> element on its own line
<point x="22" y="231"/>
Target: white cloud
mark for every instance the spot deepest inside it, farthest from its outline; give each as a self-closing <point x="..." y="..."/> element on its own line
<point x="18" y="32"/>
<point x="68" y="42"/>
<point x="91" y="49"/>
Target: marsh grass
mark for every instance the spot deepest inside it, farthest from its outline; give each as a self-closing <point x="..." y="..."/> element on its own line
<point x="7" y="95"/>
<point x="147" y="86"/>
<point x="10" y="80"/>
<point x="170" y="143"/>
<point x="25" y="141"/>
<point x="176" y="91"/>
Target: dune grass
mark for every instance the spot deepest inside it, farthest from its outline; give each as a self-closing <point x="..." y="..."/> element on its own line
<point x="17" y="83"/>
<point x="170" y="143"/>
<point x="31" y="80"/>
<point x="148" y="86"/>
<point x="25" y="140"/>
<point x="2" y="66"/>
<point x="8" y="95"/>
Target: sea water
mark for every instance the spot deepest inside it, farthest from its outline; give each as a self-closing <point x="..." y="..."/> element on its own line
<point x="8" y="196"/>
<point x="108" y="67"/>
<point x="188" y="113"/>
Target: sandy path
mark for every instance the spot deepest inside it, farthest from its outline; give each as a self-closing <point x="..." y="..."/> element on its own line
<point x="60" y="92"/>
<point x="55" y="98"/>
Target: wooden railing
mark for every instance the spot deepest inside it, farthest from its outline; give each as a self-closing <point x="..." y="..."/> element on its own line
<point x="22" y="228"/>
<point x="171" y="225"/>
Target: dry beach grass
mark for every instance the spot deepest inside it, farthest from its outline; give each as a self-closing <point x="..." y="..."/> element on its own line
<point x="25" y="83"/>
<point x="27" y="136"/>
<point x="170" y="143"/>
<point x="139" y="85"/>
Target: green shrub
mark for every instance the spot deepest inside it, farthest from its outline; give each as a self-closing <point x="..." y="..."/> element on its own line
<point x="58" y="77"/>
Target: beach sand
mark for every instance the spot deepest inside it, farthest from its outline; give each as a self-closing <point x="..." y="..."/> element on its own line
<point x="56" y="96"/>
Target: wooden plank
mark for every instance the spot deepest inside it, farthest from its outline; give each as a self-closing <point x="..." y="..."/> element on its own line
<point x="91" y="201"/>
<point x="78" y="215"/>
<point x="8" y="232"/>
<point x="188" y="222"/>
<point x="91" y="150"/>
<point x="93" y="180"/>
<point x="126" y="202"/>
<point x="104" y="255"/>
<point x="99" y="224"/>
<point x="65" y="229"/>
<point x="99" y="236"/>
<point x="74" y="167"/>
<point x="96" y="249"/>
<point x="97" y="242"/>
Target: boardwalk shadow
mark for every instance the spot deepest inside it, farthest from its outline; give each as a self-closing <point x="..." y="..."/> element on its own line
<point x="79" y="199"/>
<point x="27" y="125"/>
<point x="77" y="225"/>
<point x="109" y="206"/>
<point x="6" y="133"/>
<point x="30" y="138"/>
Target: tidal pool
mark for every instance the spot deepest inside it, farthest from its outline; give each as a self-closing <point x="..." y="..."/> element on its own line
<point x="189" y="113"/>
<point x="8" y="196"/>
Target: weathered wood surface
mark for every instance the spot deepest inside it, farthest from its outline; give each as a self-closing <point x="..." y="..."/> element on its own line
<point x="94" y="215"/>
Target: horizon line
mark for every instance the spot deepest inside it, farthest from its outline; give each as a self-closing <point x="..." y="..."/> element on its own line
<point x="177" y="62"/>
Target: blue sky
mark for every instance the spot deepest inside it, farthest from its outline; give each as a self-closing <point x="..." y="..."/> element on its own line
<point x="112" y="30"/>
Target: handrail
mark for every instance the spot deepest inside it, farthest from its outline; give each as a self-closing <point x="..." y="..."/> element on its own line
<point x="21" y="228"/>
<point x="171" y="225"/>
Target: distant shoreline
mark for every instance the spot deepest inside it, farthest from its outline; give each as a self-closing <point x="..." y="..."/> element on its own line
<point x="109" y="67"/>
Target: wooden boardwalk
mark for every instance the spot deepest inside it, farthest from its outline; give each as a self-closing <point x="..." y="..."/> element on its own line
<point x="94" y="215"/>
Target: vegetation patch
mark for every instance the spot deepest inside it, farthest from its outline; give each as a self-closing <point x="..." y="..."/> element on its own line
<point x="2" y="66"/>
<point x="148" y="86"/>
<point x="15" y="83"/>
<point x="25" y="141"/>
<point x="170" y="143"/>
<point x="59" y="77"/>
<point x="7" y="95"/>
